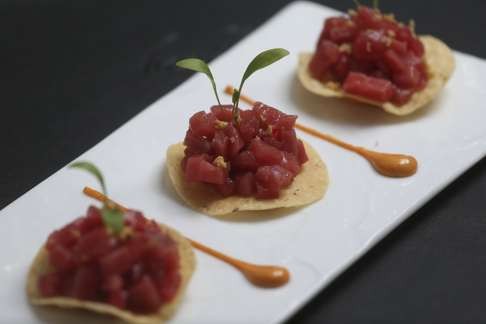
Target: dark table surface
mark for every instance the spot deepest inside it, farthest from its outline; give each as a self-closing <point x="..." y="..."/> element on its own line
<point x="65" y="65"/>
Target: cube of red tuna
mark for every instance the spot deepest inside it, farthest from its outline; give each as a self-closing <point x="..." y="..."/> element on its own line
<point x="266" y="114"/>
<point x="123" y="258"/>
<point x="227" y="188"/>
<point x="368" y="18"/>
<point x="169" y="286"/>
<point x="235" y="141"/>
<point x="326" y="55"/>
<point x="223" y="112"/>
<point x="143" y="297"/>
<point x="417" y="47"/>
<point x="408" y="79"/>
<point x="302" y="155"/>
<point x="135" y="273"/>
<point x="202" y="124"/>
<point x="249" y="125"/>
<point x="61" y="257"/>
<point x="286" y="122"/>
<point x="399" y="46"/>
<point x="112" y="283"/>
<point x="270" y="180"/>
<point x="198" y="169"/>
<point x="402" y="96"/>
<point x="289" y="141"/>
<point x="291" y="163"/>
<point x="245" y="184"/>
<point x="135" y="220"/>
<point x="339" y="30"/>
<point x="93" y="244"/>
<point x="370" y="45"/>
<point x="341" y="69"/>
<point x="394" y="61"/>
<point x="118" y="298"/>
<point x="196" y="144"/>
<point x="89" y="222"/>
<point x="376" y="89"/>
<point x="244" y="161"/>
<point x="50" y="284"/>
<point x="85" y="282"/>
<point x="264" y="153"/>
<point x="219" y="144"/>
<point x="66" y="237"/>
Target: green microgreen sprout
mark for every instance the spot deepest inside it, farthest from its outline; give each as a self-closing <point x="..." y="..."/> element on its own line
<point x="260" y="61"/>
<point x="198" y="65"/>
<point x="111" y="216"/>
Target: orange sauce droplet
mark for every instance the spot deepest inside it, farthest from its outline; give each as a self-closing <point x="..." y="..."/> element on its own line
<point x="260" y="275"/>
<point x="267" y="276"/>
<point x="391" y="165"/>
<point x="387" y="164"/>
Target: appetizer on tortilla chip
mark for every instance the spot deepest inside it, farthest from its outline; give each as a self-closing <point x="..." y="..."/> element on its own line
<point x="236" y="160"/>
<point x="369" y="57"/>
<point x="115" y="263"/>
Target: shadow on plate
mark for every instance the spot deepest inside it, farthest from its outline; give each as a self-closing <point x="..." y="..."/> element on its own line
<point x="166" y="188"/>
<point x="57" y="315"/>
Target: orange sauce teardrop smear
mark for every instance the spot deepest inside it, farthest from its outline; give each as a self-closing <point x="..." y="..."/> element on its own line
<point x="266" y="276"/>
<point x="387" y="164"/>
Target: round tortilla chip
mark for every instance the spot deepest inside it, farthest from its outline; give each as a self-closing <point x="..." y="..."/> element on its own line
<point x="41" y="266"/>
<point x="308" y="186"/>
<point x="440" y="63"/>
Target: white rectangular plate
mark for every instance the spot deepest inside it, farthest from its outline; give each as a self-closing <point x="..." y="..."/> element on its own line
<point x="315" y="243"/>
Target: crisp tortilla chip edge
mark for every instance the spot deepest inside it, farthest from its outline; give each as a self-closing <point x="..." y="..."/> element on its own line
<point x="440" y="66"/>
<point x="40" y="265"/>
<point x="314" y="170"/>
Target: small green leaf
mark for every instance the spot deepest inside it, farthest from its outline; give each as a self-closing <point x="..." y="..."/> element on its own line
<point x="198" y="65"/>
<point x="261" y="61"/>
<point x="91" y="168"/>
<point x="235" y="112"/>
<point x="376" y="4"/>
<point x="357" y="3"/>
<point x="112" y="218"/>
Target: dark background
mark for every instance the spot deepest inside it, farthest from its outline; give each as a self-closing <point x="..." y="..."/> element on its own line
<point x="65" y="66"/>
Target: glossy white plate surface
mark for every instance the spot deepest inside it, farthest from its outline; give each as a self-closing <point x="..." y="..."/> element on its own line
<point x="317" y="242"/>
